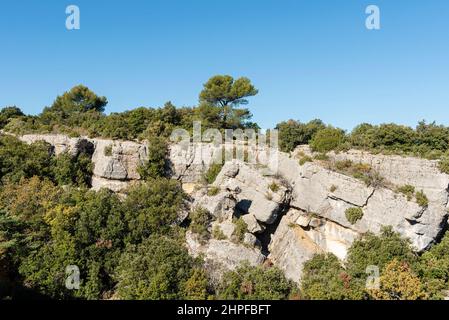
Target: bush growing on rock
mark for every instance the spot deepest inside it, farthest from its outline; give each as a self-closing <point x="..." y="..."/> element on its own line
<point x="155" y="166"/>
<point x="200" y="221"/>
<point x="443" y="165"/>
<point x="240" y="229"/>
<point x="213" y="191"/>
<point x="274" y="187"/>
<point x="212" y="173"/>
<point x="354" y="214"/>
<point x="408" y="191"/>
<point x="422" y="199"/>
<point x="108" y="151"/>
<point x="218" y="234"/>
<point x="304" y="160"/>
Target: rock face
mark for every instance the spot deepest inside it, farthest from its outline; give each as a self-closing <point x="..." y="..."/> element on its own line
<point x="317" y="222"/>
<point x="115" y="162"/>
<point x="243" y="192"/>
<point x="292" y="211"/>
<point x="223" y="255"/>
<point x="290" y="246"/>
<point x="256" y="195"/>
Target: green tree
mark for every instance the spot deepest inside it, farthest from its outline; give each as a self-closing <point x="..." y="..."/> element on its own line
<point x="256" y="283"/>
<point x="76" y="170"/>
<point x="152" y="208"/>
<point x="378" y="251"/>
<point x="78" y="107"/>
<point x="87" y="229"/>
<point x="398" y="282"/>
<point x="9" y="113"/>
<point x="225" y="92"/>
<point x="293" y="133"/>
<point x="327" y="139"/>
<point x="155" y="166"/>
<point x="433" y="268"/>
<point x="324" y="278"/>
<point x="158" y="268"/>
<point x="19" y="160"/>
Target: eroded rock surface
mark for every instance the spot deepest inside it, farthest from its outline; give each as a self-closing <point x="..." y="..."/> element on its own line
<point x="115" y="162"/>
<point x="294" y="210"/>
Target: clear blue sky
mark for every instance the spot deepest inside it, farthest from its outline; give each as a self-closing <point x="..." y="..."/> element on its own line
<point x="309" y="59"/>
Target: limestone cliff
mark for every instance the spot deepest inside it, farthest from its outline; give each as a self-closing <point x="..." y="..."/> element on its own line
<point x="292" y="211"/>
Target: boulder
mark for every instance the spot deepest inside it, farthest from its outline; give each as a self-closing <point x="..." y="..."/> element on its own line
<point x="290" y="247"/>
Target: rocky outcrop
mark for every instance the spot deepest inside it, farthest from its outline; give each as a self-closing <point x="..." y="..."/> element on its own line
<point x="257" y="196"/>
<point x="222" y="255"/>
<point x="115" y="162"/>
<point x="291" y="246"/>
<point x="243" y="193"/>
<point x="292" y="211"/>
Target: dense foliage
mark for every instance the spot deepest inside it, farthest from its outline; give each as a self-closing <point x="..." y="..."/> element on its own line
<point x="256" y="283"/>
<point x="132" y="246"/>
<point x="427" y="140"/>
<point x="19" y="160"/>
<point x="80" y="111"/>
<point x="403" y="273"/>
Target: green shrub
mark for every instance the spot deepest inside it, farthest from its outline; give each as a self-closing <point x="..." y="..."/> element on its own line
<point x="433" y="269"/>
<point x="212" y="173"/>
<point x="378" y="250"/>
<point x="274" y="187"/>
<point x="343" y="165"/>
<point x="421" y="199"/>
<point x="354" y="214"/>
<point x="443" y="165"/>
<point x="361" y="171"/>
<point x="108" y="151"/>
<point x="155" y="166"/>
<point x="305" y="159"/>
<point x="218" y="234"/>
<point x="327" y="139"/>
<point x="240" y="229"/>
<point x="213" y="191"/>
<point x="324" y="278"/>
<point x="321" y="156"/>
<point x="256" y="283"/>
<point x="73" y="170"/>
<point x="408" y="191"/>
<point x="200" y="221"/>
<point x="152" y="208"/>
<point x="293" y="133"/>
<point x="157" y="269"/>
<point x="333" y="188"/>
